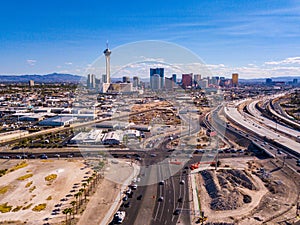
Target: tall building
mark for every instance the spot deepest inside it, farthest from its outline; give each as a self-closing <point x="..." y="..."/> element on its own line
<point x="174" y="78"/>
<point x="235" y="79"/>
<point x="91" y="81"/>
<point x="269" y="81"/>
<point x="215" y="80"/>
<point x="295" y="81"/>
<point x="187" y="80"/>
<point x="169" y="83"/>
<point x="136" y="81"/>
<point x="126" y="79"/>
<point x="107" y="53"/>
<point x="197" y="78"/>
<point x="31" y="83"/>
<point x="160" y="72"/>
<point x="104" y="78"/>
<point x="203" y="83"/>
<point x="156" y="82"/>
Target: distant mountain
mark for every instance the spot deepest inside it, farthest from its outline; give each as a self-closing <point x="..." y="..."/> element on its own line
<point x="263" y="80"/>
<point x="48" y="78"/>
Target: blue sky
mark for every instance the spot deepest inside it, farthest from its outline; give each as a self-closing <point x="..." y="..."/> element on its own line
<point x="255" y="38"/>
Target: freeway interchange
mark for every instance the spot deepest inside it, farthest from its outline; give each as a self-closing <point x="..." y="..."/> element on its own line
<point x="163" y="195"/>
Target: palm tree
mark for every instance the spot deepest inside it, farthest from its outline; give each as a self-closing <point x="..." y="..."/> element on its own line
<point x="89" y="182"/>
<point x="82" y="190"/>
<point x="76" y="196"/>
<point x="80" y="194"/>
<point x="70" y="211"/>
<point x="66" y="211"/>
<point x="73" y="203"/>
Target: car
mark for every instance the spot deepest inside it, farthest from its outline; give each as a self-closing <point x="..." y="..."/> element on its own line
<point x="119" y="216"/>
<point x="134" y="186"/>
<point x="161" y="198"/>
<point x="32" y="156"/>
<point x="177" y="212"/>
<point x="24" y="156"/>
<point x="139" y="197"/>
<point x="182" y="182"/>
<point x="180" y="199"/>
<point x="128" y="192"/>
<point x="127" y="204"/>
<point x="138" y="158"/>
<point x="5" y="157"/>
<point x="153" y="155"/>
<point x="125" y="198"/>
<point x="43" y="156"/>
<point x="18" y="157"/>
<point x="279" y="152"/>
<point x="57" y="155"/>
<point x="162" y="182"/>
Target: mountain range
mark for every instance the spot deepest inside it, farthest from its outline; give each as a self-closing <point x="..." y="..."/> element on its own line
<point x="48" y="78"/>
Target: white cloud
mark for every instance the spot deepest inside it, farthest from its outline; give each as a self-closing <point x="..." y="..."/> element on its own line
<point x="290" y="60"/>
<point x="31" y="62"/>
<point x="68" y="63"/>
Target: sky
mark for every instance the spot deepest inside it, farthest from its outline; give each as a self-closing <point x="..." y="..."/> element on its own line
<point x="254" y="38"/>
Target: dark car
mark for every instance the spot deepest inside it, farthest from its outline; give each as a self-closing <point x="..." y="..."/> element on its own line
<point x="24" y="156"/>
<point x="127" y="205"/>
<point x="32" y="156"/>
<point x="176" y="212"/>
<point x="139" y="197"/>
<point x="43" y="156"/>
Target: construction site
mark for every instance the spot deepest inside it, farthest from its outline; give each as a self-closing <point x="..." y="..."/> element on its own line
<point x="249" y="192"/>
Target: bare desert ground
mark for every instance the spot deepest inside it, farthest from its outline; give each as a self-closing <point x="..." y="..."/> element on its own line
<point x="26" y="187"/>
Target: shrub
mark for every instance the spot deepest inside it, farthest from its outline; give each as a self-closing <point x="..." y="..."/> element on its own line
<point x="28" y="184"/>
<point x="39" y="207"/>
<point x="27" y="207"/>
<point x="18" y="166"/>
<point x="4" y="208"/>
<point x="4" y="189"/>
<point x="51" y="177"/>
<point x="17" y="208"/>
<point x="26" y="176"/>
<point x="32" y="189"/>
<point x="49" y="198"/>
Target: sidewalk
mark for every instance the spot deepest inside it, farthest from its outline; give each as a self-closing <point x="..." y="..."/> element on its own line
<point x="109" y="215"/>
<point x="105" y="201"/>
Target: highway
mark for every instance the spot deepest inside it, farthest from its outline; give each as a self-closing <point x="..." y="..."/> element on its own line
<point x="246" y="123"/>
<point x="283" y="118"/>
<point x="272" y="124"/>
<point x="274" y="151"/>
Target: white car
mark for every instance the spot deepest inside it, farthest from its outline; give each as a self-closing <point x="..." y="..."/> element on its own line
<point x="134" y="186"/>
<point x="128" y="192"/>
<point x="119" y="216"/>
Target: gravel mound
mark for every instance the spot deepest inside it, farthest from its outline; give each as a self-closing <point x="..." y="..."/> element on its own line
<point x="222" y="187"/>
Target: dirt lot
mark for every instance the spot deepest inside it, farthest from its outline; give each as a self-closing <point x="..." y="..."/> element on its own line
<point x="24" y="194"/>
<point x="258" y="192"/>
<point x="26" y="187"/>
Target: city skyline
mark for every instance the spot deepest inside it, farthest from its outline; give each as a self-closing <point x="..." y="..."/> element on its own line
<point x="254" y="39"/>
